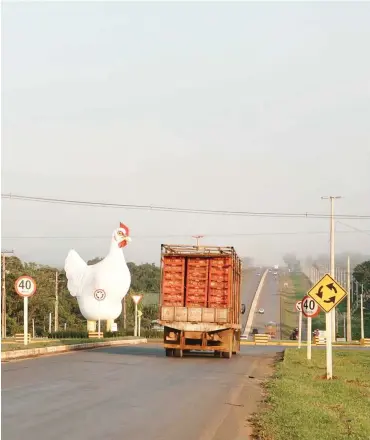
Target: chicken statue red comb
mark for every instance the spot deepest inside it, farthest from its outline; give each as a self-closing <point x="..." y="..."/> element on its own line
<point x="123" y="226"/>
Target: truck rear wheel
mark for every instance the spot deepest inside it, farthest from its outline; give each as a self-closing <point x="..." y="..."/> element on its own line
<point x="227" y="354"/>
<point x="169" y="352"/>
<point x="178" y="353"/>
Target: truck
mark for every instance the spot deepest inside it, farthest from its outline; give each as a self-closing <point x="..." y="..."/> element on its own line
<point x="200" y="308"/>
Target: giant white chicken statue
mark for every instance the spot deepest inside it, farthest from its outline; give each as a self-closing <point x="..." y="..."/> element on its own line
<point x="100" y="288"/>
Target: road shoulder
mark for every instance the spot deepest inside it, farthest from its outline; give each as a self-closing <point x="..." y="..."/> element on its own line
<point x="238" y="421"/>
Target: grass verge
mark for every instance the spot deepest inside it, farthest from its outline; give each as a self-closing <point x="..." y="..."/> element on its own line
<point x="11" y="346"/>
<point x="288" y="313"/>
<point x="301" y="405"/>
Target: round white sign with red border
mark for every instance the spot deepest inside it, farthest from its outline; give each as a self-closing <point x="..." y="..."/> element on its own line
<point x="298" y="306"/>
<point x="25" y="286"/>
<point x="310" y="308"/>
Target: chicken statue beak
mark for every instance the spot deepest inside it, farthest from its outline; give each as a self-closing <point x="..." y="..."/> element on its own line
<point x="124" y="242"/>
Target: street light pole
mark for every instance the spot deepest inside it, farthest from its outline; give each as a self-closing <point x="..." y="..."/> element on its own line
<point x="197" y="237"/>
<point x="56" y="309"/>
<point x="332" y="258"/>
<point x="3" y="294"/>
<point x="362" y="312"/>
<point x="349" y="324"/>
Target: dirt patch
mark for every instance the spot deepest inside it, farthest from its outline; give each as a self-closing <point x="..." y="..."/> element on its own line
<point x="254" y="394"/>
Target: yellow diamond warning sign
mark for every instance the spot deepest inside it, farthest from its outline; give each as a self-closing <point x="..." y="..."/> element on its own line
<point x="327" y="293"/>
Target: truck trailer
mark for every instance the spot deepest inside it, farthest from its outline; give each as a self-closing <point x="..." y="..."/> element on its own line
<point x="200" y="307"/>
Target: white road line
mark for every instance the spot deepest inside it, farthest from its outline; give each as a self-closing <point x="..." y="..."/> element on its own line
<point x="254" y="305"/>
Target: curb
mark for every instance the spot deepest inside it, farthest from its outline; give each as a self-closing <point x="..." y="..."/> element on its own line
<point x="34" y="352"/>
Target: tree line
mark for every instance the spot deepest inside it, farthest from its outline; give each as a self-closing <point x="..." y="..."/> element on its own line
<point x="145" y="278"/>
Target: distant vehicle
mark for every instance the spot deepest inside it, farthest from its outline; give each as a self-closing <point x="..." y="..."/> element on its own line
<point x="271" y="329"/>
<point x="276" y="267"/>
<point x="261" y="311"/>
<point x="275" y="273"/>
<point x="255" y="331"/>
<point x="258" y="274"/>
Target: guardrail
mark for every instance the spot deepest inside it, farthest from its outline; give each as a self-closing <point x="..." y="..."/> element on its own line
<point x="261" y="339"/>
<point x="19" y="337"/>
<point x="365" y="342"/>
<point x="95" y="335"/>
<point x="319" y="340"/>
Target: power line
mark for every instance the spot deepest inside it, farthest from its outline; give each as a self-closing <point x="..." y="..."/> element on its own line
<point x="179" y="210"/>
<point x="354" y="229"/>
<point x="106" y="237"/>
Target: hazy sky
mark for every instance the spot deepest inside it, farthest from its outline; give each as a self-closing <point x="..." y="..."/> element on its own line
<point x="240" y="106"/>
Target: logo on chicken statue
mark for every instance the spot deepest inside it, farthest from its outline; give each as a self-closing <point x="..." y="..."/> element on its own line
<point x="110" y="275"/>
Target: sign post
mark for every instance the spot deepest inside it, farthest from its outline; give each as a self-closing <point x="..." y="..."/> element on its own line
<point x="25" y="287"/>
<point x="328" y="294"/>
<point x="99" y="295"/>
<point x="139" y="314"/>
<point x="298" y="307"/>
<point x="136" y="299"/>
<point x="310" y="309"/>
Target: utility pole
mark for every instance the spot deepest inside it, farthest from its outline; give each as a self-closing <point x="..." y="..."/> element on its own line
<point x="362" y="312"/>
<point x="197" y="237"/>
<point x="332" y="259"/>
<point x="3" y="294"/>
<point x="56" y="311"/>
<point x="349" y="325"/>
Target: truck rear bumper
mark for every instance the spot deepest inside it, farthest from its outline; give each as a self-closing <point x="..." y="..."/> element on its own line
<point x="225" y="340"/>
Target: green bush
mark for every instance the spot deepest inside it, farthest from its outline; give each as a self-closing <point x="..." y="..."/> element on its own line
<point x="68" y="334"/>
<point x="152" y="334"/>
<point x="115" y="334"/>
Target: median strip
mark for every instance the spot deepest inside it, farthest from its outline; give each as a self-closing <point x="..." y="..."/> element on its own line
<point x="254" y="305"/>
<point x="55" y="349"/>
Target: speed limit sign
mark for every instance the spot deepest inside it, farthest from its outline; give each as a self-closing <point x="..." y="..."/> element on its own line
<point x="25" y="286"/>
<point x="310" y="308"/>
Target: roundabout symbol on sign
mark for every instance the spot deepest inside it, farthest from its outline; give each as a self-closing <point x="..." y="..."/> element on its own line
<point x="298" y="306"/>
<point x="99" y="295"/>
<point x="310" y="308"/>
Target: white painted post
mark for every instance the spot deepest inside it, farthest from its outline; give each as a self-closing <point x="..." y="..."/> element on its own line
<point x="25" y="320"/>
<point x="99" y="322"/>
<point x="135" y="328"/>
<point x="362" y="315"/>
<point x="309" y="338"/>
<point x="300" y="330"/>
<point x="329" y="346"/>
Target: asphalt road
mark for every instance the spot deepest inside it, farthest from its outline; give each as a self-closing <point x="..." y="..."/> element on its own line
<point x="269" y="300"/>
<point x="250" y="281"/>
<point x="130" y="393"/>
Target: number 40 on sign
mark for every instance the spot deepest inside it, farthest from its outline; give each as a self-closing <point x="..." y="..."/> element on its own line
<point x="310" y="308"/>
